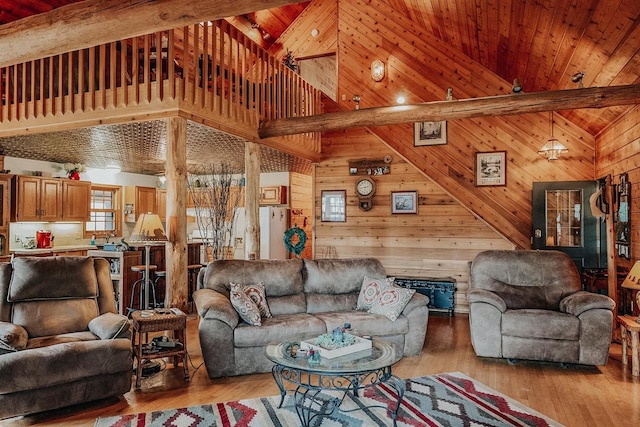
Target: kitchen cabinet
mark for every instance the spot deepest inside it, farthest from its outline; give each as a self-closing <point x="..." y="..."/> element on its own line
<point x="161" y="203"/>
<point x="5" y="213"/>
<point x="145" y="200"/>
<point x="36" y="199"/>
<point x="76" y="200"/>
<point x="121" y="275"/>
<point x="274" y="195"/>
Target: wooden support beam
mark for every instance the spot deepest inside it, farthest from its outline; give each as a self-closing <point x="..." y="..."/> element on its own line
<point x="94" y="22"/>
<point x="176" y="247"/>
<point x="252" y="199"/>
<point x="504" y="105"/>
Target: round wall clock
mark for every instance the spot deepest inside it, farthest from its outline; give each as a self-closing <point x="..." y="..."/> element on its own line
<point x="365" y="189"/>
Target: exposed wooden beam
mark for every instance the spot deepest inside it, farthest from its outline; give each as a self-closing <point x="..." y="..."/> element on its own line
<point x="504" y="105"/>
<point x="94" y="22"/>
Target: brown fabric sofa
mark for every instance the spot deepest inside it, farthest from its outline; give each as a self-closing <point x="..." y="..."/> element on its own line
<point x="304" y="296"/>
<point x="529" y="305"/>
<point x="61" y="341"/>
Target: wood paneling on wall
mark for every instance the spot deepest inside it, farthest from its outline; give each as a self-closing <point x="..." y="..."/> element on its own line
<point x="422" y="66"/>
<point x="438" y="241"/>
<point x="301" y="204"/>
<point x="320" y="15"/>
<point x="618" y="151"/>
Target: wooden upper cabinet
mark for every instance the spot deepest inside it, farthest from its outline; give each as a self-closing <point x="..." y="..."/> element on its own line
<point x="5" y="204"/>
<point x="76" y="200"/>
<point x="274" y="195"/>
<point x="36" y="199"/>
<point x="145" y="201"/>
<point x="161" y="204"/>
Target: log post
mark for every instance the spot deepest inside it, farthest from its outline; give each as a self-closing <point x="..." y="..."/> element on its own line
<point x="176" y="247"/>
<point x="252" y="199"/>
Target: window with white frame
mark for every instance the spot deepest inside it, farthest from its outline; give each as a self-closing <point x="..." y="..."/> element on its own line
<point x="104" y="211"/>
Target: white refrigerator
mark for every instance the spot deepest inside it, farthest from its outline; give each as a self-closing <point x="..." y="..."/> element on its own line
<point x="274" y="221"/>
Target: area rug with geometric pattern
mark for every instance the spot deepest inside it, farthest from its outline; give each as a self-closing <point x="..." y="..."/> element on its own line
<point x="451" y="399"/>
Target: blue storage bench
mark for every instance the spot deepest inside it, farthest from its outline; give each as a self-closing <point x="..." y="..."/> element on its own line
<point x="441" y="292"/>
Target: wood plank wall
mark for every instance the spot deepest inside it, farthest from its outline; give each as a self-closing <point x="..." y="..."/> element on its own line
<point x="438" y="241"/>
<point x="423" y="67"/>
<point x="618" y="151"/>
<point x="301" y="205"/>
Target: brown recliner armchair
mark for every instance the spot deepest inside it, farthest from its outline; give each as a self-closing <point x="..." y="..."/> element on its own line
<point x="529" y="305"/>
<point x="61" y="341"/>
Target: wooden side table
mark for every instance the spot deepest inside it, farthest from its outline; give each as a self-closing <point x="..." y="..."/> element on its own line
<point x="629" y="324"/>
<point x="156" y="322"/>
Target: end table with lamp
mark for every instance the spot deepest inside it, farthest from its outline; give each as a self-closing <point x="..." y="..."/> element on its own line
<point x="149" y="231"/>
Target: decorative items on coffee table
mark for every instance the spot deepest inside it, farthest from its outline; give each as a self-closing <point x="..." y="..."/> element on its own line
<point x="336" y="344"/>
<point x="321" y="384"/>
<point x="145" y="321"/>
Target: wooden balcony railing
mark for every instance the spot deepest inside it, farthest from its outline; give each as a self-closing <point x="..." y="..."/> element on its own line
<point x="238" y="81"/>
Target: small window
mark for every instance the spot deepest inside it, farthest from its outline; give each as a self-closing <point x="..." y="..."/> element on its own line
<point x="104" y="211"/>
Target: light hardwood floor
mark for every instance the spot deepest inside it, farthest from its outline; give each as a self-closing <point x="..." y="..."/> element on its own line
<point x="575" y="396"/>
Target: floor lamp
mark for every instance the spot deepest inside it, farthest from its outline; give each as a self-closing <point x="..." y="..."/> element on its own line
<point x="148" y="230"/>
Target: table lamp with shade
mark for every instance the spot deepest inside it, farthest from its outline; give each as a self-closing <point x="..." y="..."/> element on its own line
<point x="149" y="231"/>
<point x="632" y="281"/>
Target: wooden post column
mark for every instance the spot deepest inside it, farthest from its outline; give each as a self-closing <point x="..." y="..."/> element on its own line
<point x="252" y="199"/>
<point x="176" y="247"/>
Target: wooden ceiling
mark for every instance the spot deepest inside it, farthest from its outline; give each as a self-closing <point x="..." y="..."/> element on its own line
<point x="542" y="43"/>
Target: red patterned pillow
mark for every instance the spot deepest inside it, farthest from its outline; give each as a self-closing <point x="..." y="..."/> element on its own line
<point x="370" y="290"/>
<point x="246" y="308"/>
<point x="392" y="301"/>
<point x="257" y="294"/>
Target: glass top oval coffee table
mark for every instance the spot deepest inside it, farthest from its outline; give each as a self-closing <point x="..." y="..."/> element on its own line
<point x="348" y="373"/>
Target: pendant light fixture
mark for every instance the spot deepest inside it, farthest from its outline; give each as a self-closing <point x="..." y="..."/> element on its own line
<point x="553" y="148"/>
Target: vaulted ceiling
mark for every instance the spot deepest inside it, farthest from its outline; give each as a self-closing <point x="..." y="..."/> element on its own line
<point x="542" y="43"/>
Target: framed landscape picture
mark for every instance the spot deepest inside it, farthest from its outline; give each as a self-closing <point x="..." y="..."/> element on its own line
<point x="491" y="168"/>
<point x="429" y="133"/>
<point x="404" y="202"/>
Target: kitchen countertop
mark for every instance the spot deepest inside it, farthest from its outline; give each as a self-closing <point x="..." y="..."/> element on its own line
<point x="54" y="249"/>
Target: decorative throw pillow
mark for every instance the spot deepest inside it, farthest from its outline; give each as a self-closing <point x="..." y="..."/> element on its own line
<point x="109" y="326"/>
<point x="257" y="294"/>
<point x="246" y="308"/>
<point x="12" y="338"/>
<point x="392" y="301"/>
<point x="370" y="290"/>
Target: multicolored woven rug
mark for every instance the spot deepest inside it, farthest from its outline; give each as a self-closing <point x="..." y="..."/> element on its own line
<point x="452" y="399"/>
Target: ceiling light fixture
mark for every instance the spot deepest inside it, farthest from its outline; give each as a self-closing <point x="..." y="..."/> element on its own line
<point x="377" y="70"/>
<point x="517" y="87"/>
<point x="315" y="32"/>
<point x="553" y="148"/>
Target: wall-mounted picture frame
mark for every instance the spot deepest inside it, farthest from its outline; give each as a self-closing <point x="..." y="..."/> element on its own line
<point x="404" y="202"/>
<point x="429" y="133"/>
<point x="491" y="168"/>
<point x="334" y="206"/>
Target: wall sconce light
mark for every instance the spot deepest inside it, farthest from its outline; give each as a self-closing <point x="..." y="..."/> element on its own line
<point x="356" y="99"/>
<point x="553" y="148"/>
<point x="517" y="87"/>
<point x="377" y="70"/>
<point x="577" y="78"/>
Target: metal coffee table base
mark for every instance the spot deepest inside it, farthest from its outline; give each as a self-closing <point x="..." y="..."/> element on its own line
<point x="309" y="385"/>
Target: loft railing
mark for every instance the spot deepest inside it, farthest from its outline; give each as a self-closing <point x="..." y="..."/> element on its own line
<point x="238" y="81"/>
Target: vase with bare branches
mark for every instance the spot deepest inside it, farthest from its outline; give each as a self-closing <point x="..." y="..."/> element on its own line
<point x="216" y="196"/>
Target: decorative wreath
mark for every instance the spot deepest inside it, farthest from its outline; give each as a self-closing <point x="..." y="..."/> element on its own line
<point x="297" y="248"/>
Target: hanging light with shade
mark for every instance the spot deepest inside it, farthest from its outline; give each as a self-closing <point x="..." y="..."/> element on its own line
<point x="553" y="148"/>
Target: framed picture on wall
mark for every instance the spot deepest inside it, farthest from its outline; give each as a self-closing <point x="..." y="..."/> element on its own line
<point x="429" y="133"/>
<point x="404" y="202"/>
<point x="491" y="168"/>
<point x="334" y="206"/>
